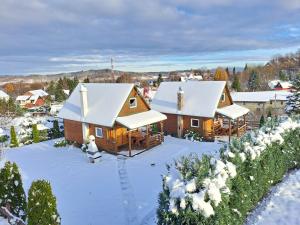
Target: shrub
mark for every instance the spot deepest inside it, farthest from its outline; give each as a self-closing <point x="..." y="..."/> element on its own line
<point x="13" y="138"/>
<point x="61" y="143"/>
<point x="223" y="191"/>
<point x="35" y="134"/>
<point x="12" y="194"/>
<point x="193" y="136"/>
<point x="42" y="204"/>
<point x="55" y="130"/>
<point x="4" y="138"/>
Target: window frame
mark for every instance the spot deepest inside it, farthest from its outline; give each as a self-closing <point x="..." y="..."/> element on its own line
<point x="223" y="97"/>
<point x="130" y="106"/>
<point x="193" y="119"/>
<point x="100" y="128"/>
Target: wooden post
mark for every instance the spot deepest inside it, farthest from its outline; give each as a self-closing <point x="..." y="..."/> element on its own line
<point x="162" y="130"/>
<point x="129" y="143"/>
<point x="147" y="136"/>
<point x="229" y="122"/>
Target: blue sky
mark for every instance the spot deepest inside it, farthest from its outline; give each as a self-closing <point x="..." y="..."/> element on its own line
<point x="158" y="35"/>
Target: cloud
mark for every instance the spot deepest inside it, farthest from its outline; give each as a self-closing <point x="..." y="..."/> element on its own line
<point x="58" y="33"/>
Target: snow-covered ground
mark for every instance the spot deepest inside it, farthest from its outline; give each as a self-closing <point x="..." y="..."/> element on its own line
<point x="3" y="221"/>
<point x="282" y="206"/>
<point x="117" y="190"/>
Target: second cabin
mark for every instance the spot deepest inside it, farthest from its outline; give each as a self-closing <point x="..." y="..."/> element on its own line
<point x="116" y="114"/>
<point x="205" y="107"/>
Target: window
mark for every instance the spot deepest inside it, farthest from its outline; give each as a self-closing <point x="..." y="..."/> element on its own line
<point x="194" y="123"/>
<point x="223" y="97"/>
<point x="132" y="102"/>
<point x="99" y="132"/>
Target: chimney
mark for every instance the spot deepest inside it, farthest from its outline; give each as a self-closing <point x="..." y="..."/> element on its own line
<point x="84" y="100"/>
<point x="180" y="101"/>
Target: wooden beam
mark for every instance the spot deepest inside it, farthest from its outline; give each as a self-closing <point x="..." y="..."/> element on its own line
<point x="147" y="136"/>
<point x="161" y="126"/>
<point x="129" y="142"/>
<point x="229" y="122"/>
<point x="237" y="121"/>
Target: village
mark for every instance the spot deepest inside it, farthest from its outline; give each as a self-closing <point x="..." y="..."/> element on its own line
<point x="110" y="129"/>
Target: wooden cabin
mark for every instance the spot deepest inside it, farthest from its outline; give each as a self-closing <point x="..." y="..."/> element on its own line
<point x="116" y="114"/>
<point x="205" y="107"/>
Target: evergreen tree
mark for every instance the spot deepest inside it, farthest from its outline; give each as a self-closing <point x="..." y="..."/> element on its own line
<point x="227" y="71"/>
<point x="233" y="71"/>
<point x="159" y="80"/>
<point x="12" y="195"/>
<point x="282" y="76"/>
<point x="246" y="67"/>
<point x="86" y="80"/>
<point x="42" y="209"/>
<point x="262" y="121"/>
<point x="293" y="103"/>
<point x="253" y="82"/>
<point x="55" y="129"/>
<point x="35" y="134"/>
<point x="59" y="91"/>
<point x="13" y="137"/>
<point x="51" y="88"/>
<point x="269" y="114"/>
<point x="236" y="85"/>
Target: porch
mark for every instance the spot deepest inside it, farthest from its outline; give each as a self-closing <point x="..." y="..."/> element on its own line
<point x="144" y="130"/>
<point x="231" y="120"/>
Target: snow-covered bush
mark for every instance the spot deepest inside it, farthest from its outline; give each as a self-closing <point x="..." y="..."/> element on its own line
<point x="61" y="143"/>
<point x="193" y="136"/>
<point x="224" y="190"/>
<point x="42" y="208"/>
<point x="12" y="195"/>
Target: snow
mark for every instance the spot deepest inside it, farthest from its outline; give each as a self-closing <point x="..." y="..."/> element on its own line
<point x="284" y="84"/>
<point x="22" y="97"/>
<point x="200" y="98"/>
<point x="141" y="119"/>
<point x="233" y="111"/>
<point x="260" y="96"/>
<point x="105" y="101"/>
<point x="39" y="92"/>
<point x="281" y="206"/>
<point x="3" y="95"/>
<point x="117" y="190"/>
<point x="3" y="221"/>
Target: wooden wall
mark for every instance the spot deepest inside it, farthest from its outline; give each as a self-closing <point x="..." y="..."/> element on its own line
<point x="228" y="100"/>
<point x="73" y="131"/>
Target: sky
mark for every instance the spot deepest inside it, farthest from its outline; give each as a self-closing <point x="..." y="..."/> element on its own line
<point x="159" y="35"/>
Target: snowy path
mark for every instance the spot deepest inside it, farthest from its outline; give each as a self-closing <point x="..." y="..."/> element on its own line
<point x="129" y="202"/>
<point x="281" y="206"/>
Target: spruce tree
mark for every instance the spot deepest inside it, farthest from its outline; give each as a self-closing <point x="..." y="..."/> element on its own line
<point x="159" y="80"/>
<point x="12" y="195"/>
<point x="262" y="121"/>
<point x="253" y="82"/>
<point x="13" y="137"/>
<point x="236" y="85"/>
<point x="293" y="103"/>
<point x="55" y="129"/>
<point x="42" y="209"/>
<point x="35" y="134"/>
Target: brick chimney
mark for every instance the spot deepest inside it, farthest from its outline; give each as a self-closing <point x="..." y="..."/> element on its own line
<point x="84" y="100"/>
<point x="180" y="100"/>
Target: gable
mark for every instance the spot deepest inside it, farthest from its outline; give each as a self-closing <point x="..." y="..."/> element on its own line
<point x="141" y="105"/>
<point x="228" y="100"/>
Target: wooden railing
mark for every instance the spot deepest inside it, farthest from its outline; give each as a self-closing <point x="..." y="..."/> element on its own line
<point x="154" y="140"/>
<point x="241" y="130"/>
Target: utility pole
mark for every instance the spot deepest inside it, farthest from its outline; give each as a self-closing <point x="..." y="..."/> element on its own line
<point x="112" y="70"/>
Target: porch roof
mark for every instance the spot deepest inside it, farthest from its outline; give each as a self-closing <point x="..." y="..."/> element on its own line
<point x="141" y="119"/>
<point x="233" y="111"/>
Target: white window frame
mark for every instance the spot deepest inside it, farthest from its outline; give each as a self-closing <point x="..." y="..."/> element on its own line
<point x="192" y="122"/>
<point x="223" y="97"/>
<point x="96" y="134"/>
<point x="133" y="106"/>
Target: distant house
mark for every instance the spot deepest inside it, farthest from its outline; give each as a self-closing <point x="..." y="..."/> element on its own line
<point x="4" y="96"/>
<point x="31" y="99"/>
<point x="261" y="102"/>
<point x="116" y="114"/>
<point x="280" y="85"/>
<point x="203" y="107"/>
<point x="190" y="77"/>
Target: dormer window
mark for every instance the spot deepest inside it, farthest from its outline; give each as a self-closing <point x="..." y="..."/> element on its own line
<point x="132" y="102"/>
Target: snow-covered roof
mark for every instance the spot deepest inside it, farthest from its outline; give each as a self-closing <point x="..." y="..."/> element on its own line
<point x="22" y="97"/>
<point x="39" y="92"/>
<point x="260" y="96"/>
<point x="105" y="101"/>
<point x="200" y="98"/>
<point x="284" y="84"/>
<point x="3" y="95"/>
<point x="233" y="111"/>
<point x="141" y="119"/>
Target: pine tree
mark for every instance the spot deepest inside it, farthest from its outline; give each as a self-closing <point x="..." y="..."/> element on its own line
<point x="282" y="76"/>
<point x="293" y="103"/>
<point x="262" y="121"/>
<point x="12" y="195"/>
<point x="86" y="80"/>
<point x="55" y="129"/>
<point x="246" y="67"/>
<point x="253" y="82"/>
<point x="236" y="85"/>
<point x="42" y="209"/>
<point x="13" y="137"/>
<point x="35" y="134"/>
<point x="159" y="80"/>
